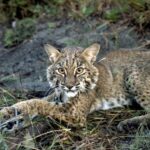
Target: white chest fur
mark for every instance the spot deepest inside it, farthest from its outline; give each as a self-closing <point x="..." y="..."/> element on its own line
<point x="110" y="103"/>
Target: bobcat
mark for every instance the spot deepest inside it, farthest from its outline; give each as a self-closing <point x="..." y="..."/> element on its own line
<point x="83" y="85"/>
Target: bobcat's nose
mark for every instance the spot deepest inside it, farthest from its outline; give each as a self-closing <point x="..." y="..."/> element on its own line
<point x="70" y="87"/>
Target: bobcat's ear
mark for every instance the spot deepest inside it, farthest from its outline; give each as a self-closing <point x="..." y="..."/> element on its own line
<point x="52" y="52"/>
<point x="91" y="52"/>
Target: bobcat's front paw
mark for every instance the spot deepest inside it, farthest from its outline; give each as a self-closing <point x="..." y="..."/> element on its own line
<point x="10" y="119"/>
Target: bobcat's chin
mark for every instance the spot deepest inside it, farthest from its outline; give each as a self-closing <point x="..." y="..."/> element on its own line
<point x="71" y="93"/>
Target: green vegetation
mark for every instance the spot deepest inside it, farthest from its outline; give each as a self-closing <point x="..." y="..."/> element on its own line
<point x="141" y="140"/>
<point x="22" y="30"/>
<point x="135" y="12"/>
<point x="3" y="144"/>
<point x="111" y="9"/>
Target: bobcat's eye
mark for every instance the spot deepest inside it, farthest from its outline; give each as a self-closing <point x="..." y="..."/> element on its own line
<point x="79" y="70"/>
<point x="61" y="70"/>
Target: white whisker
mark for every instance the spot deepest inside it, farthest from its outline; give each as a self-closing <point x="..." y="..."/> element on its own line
<point x="102" y="59"/>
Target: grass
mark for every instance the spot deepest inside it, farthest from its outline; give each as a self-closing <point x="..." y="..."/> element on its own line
<point x="141" y="140"/>
<point x="3" y="143"/>
<point x="100" y="132"/>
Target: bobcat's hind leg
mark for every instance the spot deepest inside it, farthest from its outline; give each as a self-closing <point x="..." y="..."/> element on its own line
<point x="135" y="121"/>
<point x="137" y="83"/>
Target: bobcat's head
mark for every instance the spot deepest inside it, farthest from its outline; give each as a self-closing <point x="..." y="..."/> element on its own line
<point x="72" y="70"/>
